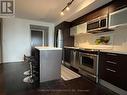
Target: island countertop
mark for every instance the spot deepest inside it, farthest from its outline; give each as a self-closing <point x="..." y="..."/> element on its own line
<point x="47" y="48"/>
<point x="49" y="61"/>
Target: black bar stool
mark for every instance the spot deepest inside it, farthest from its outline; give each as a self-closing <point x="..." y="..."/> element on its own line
<point x="29" y="60"/>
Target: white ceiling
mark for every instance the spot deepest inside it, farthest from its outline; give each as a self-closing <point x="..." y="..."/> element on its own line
<point x="49" y="10"/>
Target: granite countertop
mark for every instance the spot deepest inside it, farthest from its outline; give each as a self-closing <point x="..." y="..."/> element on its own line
<point x="71" y="47"/>
<point x="112" y="51"/>
<point x="101" y="50"/>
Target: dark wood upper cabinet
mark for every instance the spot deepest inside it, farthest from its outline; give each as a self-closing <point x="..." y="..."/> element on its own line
<point x="67" y="39"/>
<point x="117" y="5"/>
<point x="97" y="13"/>
<point x="92" y="15"/>
<point x="112" y="6"/>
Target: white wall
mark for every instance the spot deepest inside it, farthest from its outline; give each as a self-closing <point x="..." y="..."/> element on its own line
<point x="16" y="38"/>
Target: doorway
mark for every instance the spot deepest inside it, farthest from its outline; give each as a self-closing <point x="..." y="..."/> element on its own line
<point x="0" y="40"/>
<point x="36" y="39"/>
<point x="39" y="37"/>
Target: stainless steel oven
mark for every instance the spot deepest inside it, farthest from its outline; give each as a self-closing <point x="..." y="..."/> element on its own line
<point x="89" y="65"/>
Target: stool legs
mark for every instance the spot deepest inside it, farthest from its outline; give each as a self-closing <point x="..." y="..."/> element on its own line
<point x="29" y="78"/>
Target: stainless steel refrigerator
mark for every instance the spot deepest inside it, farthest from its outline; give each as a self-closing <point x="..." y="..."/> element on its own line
<point x="59" y="39"/>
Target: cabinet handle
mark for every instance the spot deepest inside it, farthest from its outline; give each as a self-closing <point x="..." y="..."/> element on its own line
<point x="110" y="70"/>
<point x="111" y="54"/>
<point x="111" y="62"/>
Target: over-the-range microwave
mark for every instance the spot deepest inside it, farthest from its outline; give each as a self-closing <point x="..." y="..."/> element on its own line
<point x="97" y="25"/>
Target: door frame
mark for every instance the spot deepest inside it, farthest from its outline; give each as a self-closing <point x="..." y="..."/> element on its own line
<point x="1" y="42"/>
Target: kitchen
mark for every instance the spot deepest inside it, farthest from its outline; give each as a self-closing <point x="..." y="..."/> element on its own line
<point x="84" y="55"/>
<point x="99" y="46"/>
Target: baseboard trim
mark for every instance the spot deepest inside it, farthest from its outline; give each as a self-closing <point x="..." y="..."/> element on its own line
<point x="12" y="61"/>
<point x="112" y="87"/>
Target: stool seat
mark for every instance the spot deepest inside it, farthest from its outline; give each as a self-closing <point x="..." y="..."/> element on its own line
<point x="28" y="79"/>
<point x="27" y="73"/>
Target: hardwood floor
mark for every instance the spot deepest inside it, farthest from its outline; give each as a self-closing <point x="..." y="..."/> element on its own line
<point x="11" y="76"/>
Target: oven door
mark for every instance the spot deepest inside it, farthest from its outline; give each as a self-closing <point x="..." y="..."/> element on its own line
<point x="88" y="62"/>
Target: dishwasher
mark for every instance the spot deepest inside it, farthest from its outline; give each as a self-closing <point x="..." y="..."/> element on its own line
<point x="74" y="59"/>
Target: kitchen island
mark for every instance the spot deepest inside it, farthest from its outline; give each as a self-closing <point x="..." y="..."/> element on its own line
<point x="49" y="60"/>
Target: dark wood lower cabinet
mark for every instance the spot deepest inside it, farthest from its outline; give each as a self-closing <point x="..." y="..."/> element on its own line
<point x="67" y="55"/>
<point x="36" y="65"/>
<point x="113" y="69"/>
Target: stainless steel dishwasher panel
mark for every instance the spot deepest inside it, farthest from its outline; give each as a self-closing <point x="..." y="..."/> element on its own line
<point x="75" y="59"/>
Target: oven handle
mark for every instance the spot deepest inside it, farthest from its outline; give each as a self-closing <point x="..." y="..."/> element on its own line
<point x="95" y="55"/>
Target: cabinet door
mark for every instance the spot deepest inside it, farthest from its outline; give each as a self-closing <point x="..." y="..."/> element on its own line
<point x="82" y="28"/>
<point x="67" y="39"/>
<point x="107" y="71"/>
<point x="112" y="68"/>
<point x="118" y="18"/>
<point x="73" y="31"/>
<point x="67" y="55"/>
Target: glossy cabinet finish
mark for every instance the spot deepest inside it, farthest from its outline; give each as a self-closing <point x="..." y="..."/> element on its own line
<point x="92" y="15"/>
<point x="113" y="68"/>
<point x="117" y="5"/>
<point x="67" y="39"/>
<point x="118" y="18"/>
<point x="73" y="31"/>
<point x="67" y="55"/>
<point x="112" y="6"/>
<point x="79" y="29"/>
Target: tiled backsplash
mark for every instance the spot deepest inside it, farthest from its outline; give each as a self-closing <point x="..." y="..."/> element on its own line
<point x="118" y="40"/>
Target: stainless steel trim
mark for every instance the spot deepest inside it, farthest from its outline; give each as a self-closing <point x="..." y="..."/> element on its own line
<point x="104" y="17"/>
<point x="114" y="13"/>
<point x="43" y="35"/>
<point x="93" y="20"/>
<point x="110" y="70"/>
<point x="88" y="54"/>
<point x="97" y="68"/>
<point x="111" y="62"/>
<point x="93" y="30"/>
<point x="74" y="59"/>
<point x="118" y="11"/>
<point x="86" y="68"/>
<point x="98" y="19"/>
